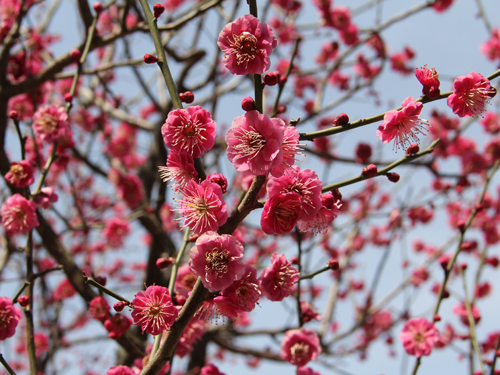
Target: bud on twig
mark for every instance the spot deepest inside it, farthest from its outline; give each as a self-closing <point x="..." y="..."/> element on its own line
<point x="158" y="10"/>
<point x="150" y="59"/>
<point x="186" y="97"/>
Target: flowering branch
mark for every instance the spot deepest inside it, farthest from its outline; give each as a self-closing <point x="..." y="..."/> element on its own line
<point x="103" y="289"/>
<point x="6" y="365"/>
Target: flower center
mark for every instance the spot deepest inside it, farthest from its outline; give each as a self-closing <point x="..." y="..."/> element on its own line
<point x="251" y="143"/>
<point x="299" y="351"/>
<point x="189" y="130"/>
<point x="244" y="46"/>
<point x="217" y="261"/>
<point x="154" y="311"/>
<point x="48" y="123"/>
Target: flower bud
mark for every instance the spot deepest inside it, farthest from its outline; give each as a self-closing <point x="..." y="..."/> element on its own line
<point x="14" y="115"/>
<point x="281" y="109"/>
<point x="393" y="177"/>
<point x="271" y="78"/>
<point x="68" y="98"/>
<point x="118" y="306"/>
<point x="412" y="150"/>
<point x="248" y="104"/>
<point x="75" y="54"/>
<point x="369" y="171"/>
<point x="97" y="7"/>
<point x="23" y="300"/>
<point x="162" y="263"/>
<point x="158" y="10"/>
<point x="333" y="264"/>
<point x="342" y="119"/>
<point x="187" y="97"/>
<point x="150" y="59"/>
<point x="437" y="318"/>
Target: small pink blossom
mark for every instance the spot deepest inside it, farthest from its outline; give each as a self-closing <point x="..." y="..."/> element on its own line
<point x="202" y="206"/>
<point x="418" y="337"/>
<point x="10" y="316"/>
<point x="18" y="215"/>
<point x="441" y="5"/>
<point x="191" y="130"/>
<point x="244" y="292"/>
<point x="330" y="207"/>
<point x="492" y="47"/>
<point x="115" y="231"/>
<point x="117" y="325"/>
<point x="429" y="79"/>
<point x="99" y="309"/>
<point x="64" y="290"/>
<point x="46" y="197"/>
<point x="404" y="125"/>
<point x="50" y="123"/>
<point x="216" y="259"/>
<point x="290" y="147"/>
<point x="180" y="169"/>
<point x="306" y="183"/>
<point x="153" y="310"/>
<point x="278" y="279"/>
<point x="461" y="311"/>
<point x="20" y="174"/>
<point x="281" y="212"/>
<point x="300" y="346"/>
<point x="470" y="95"/>
<point x="247" y="44"/>
<point x="255" y="143"/>
<point x="120" y="370"/>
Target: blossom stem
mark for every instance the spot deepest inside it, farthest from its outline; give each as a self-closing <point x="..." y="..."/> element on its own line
<point x="28" y="310"/>
<point x="6" y="365"/>
<point x="178" y="260"/>
<point x="257" y="78"/>
<point x="105" y="290"/>
<point x="299" y="266"/>
<point x="494" y="360"/>
<point x="383" y="171"/>
<point x="472" y="324"/>
<point x="162" y="59"/>
<point x="289" y="69"/>
<point x="315" y="273"/>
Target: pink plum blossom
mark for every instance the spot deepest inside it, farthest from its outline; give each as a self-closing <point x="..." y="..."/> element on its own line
<point x="115" y="231"/>
<point x="290" y="147"/>
<point x="202" y="206"/>
<point x="247" y="44"/>
<point x="180" y="169"/>
<point x="99" y="308"/>
<point x="300" y="346"/>
<point x="216" y="259"/>
<point x="330" y="207"/>
<point x="10" y="316"/>
<point x="470" y="95"/>
<point x="306" y="183"/>
<point x="492" y="47"/>
<point x="46" y="197"/>
<point x="419" y="336"/>
<point x="20" y="174"/>
<point x="18" y="215"/>
<point x="153" y="310"/>
<point x="429" y="79"/>
<point x="281" y="213"/>
<point x="117" y="325"/>
<point x="50" y="123"/>
<point x="244" y="292"/>
<point x="254" y="143"/>
<point x="278" y="279"/>
<point x="191" y="130"/>
<point x="120" y="370"/>
<point x="404" y="125"/>
<point x="210" y="369"/>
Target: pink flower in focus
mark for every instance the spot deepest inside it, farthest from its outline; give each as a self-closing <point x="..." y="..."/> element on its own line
<point x="99" y="309"/>
<point x="153" y="310"/>
<point x="50" y="123"/>
<point x="404" y="125"/>
<point x="278" y="279"/>
<point x="300" y="346"/>
<point x="115" y="231"/>
<point x="330" y="207"/>
<point x="18" y="215"/>
<point x="281" y="212"/>
<point x="247" y="44"/>
<point x="191" y="130"/>
<point x="254" y="143"/>
<point x="244" y="292"/>
<point x="470" y="94"/>
<point x="429" y="79"/>
<point x="10" y="316"/>
<point x="290" y="147"/>
<point x="306" y="183"/>
<point x="418" y="337"/>
<point x="491" y="48"/>
<point x="210" y="369"/>
<point x="216" y="259"/>
<point x="20" y="174"/>
<point x="120" y="370"/>
<point x="202" y="206"/>
<point x="117" y="325"/>
<point x="180" y="169"/>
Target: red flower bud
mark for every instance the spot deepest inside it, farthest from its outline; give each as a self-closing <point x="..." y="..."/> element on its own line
<point x="162" y="263"/>
<point x="271" y="78"/>
<point x="342" y="119"/>
<point x="97" y="7"/>
<point x="150" y="59"/>
<point x="23" y="300"/>
<point x="248" y="104"/>
<point x="158" y="10"/>
<point x="412" y="150"/>
<point x="75" y="54"/>
<point x="281" y="109"/>
<point x="68" y="98"/>
<point x="437" y="318"/>
<point x="369" y="171"/>
<point x="14" y="115"/>
<point x="493" y="92"/>
<point x="393" y="177"/>
<point x="187" y="97"/>
<point x="461" y="225"/>
<point x="118" y="306"/>
<point x="333" y="264"/>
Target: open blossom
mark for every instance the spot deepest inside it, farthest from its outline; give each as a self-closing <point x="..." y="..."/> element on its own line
<point x="202" y="206"/>
<point x="278" y="279"/>
<point x="180" y="169"/>
<point x="281" y="213"/>
<point x="418" y="337"/>
<point x="191" y="130"/>
<point x="470" y="95"/>
<point x="153" y="310"/>
<point x="50" y="123"/>
<point x="247" y="44"/>
<point x="18" y="215"/>
<point x="117" y="325"/>
<point x="20" y="174"/>
<point x="290" y="147"/>
<point x="306" y="183"/>
<point x="492" y="47"/>
<point x="216" y="259"/>
<point x="404" y="125"/>
<point x="115" y="231"/>
<point x="300" y="346"/>
<point x="254" y="143"/>
<point x="10" y="316"/>
<point x="120" y="370"/>
<point x="99" y="308"/>
<point x="330" y="207"/>
<point x="244" y="292"/>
